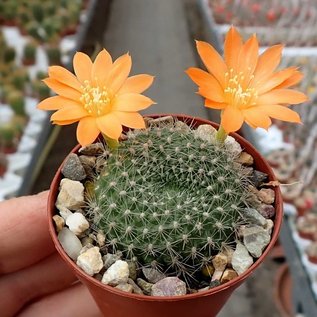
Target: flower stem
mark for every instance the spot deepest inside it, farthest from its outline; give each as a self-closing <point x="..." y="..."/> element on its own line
<point x="221" y="134"/>
<point x="112" y="143"/>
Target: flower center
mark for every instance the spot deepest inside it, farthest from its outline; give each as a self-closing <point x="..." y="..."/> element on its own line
<point x="237" y="91"/>
<point x="96" y="100"/>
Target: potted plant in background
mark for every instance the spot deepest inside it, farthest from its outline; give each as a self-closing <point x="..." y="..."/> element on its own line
<point x="165" y="215"/>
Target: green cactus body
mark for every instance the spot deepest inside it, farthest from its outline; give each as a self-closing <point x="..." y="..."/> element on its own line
<point x="169" y="199"/>
<point x="29" y="52"/>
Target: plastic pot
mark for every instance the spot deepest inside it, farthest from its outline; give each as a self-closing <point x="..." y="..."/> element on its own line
<point x="115" y="303"/>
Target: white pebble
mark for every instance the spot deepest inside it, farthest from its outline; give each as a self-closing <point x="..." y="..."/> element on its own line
<point x="70" y="243"/>
<point x="71" y="195"/>
<point x="118" y="273"/>
<point x="77" y="223"/>
<point x="90" y="261"/>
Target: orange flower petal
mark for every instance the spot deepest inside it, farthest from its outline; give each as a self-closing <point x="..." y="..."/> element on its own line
<point x="267" y="62"/>
<point x="136" y="84"/>
<point x="232" y="47"/>
<point x="284" y="96"/>
<point x="248" y="58"/>
<point x="119" y="72"/>
<point x="231" y="119"/>
<point x="131" y="102"/>
<point x="293" y="80"/>
<point x="64" y="122"/>
<point x="87" y="131"/>
<point x="257" y="118"/>
<point x="101" y="67"/>
<point x="110" y="126"/>
<point x="275" y="80"/>
<point x="130" y="119"/>
<point x="69" y="113"/>
<point x="64" y="76"/>
<point x="215" y="105"/>
<point x="61" y="89"/>
<point x="82" y="66"/>
<point x="56" y="102"/>
<point x="213" y="61"/>
<point x="209" y="87"/>
<point x="281" y="113"/>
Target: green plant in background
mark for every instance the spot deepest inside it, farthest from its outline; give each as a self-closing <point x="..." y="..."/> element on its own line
<point x="37" y="11"/>
<point x="169" y="199"/>
<point x="16" y="101"/>
<point x="8" y="138"/>
<point x="29" y="53"/>
<point x="19" y="79"/>
<point x="54" y="55"/>
<point x="41" y="90"/>
<point x="9" y="54"/>
<point x="33" y="29"/>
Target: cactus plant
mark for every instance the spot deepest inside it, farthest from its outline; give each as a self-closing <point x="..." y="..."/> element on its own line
<point x="54" y="55"/>
<point x="9" y="55"/>
<point x="38" y="12"/>
<point x="167" y="198"/>
<point x="29" y="53"/>
<point x="19" y="78"/>
<point x="16" y="100"/>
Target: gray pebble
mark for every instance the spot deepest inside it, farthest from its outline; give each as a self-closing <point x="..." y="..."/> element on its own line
<point x="73" y="169"/>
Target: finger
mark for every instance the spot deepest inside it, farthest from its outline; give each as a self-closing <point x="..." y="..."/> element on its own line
<point x="74" y="301"/>
<point x="24" y="237"/>
<point x="21" y="287"/>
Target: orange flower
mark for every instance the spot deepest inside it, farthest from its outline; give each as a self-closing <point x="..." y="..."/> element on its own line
<point x="246" y="86"/>
<point x="102" y="97"/>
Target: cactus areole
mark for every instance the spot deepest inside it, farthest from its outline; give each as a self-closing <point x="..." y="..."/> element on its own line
<point x="135" y="215"/>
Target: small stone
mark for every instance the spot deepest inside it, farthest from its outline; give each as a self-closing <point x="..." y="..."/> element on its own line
<point x="204" y="289"/>
<point x="77" y="223"/>
<point x="70" y="243"/>
<point x="145" y="286"/>
<point x="110" y="259"/>
<point x="100" y="164"/>
<point x="71" y="195"/>
<point x="228" y="252"/>
<point x="86" y="247"/>
<point x="245" y="159"/>
<point x="88" y="163"/>
<point x="182" y="126"/>
<point x="125" y="287"/>
<point x="205" y="132"/>
<point x="255" y="239"/>
<point x="266" y="195"/>
<point x="258" y="178"/>
<point x="269" y="226"/>
<point x="59" y="222"/>
<point x="267" y="211"/>
<point x="169" y="286"/>
<point x="98" y="277"/>
<point x="90" y="261"/>
<point x="73" y="169"/>
<point x="87" y="241"/>
<point x="241" y="259"/>
<point x="233" y="146"/>
<point x="219" y="262"/>
<point x="94" y="149"/>
<point x="117" y="273"/>
<point x="208" y="270"/>
<point x="254" y="216"/>
<point x="161" y="121"/>
<point x="101" y="239"/>
<point x="214" y="283"/>
<point x="136" y="288"/>
<point x="132" y="270"/>
<point x="228" y="275"/>
<point x="64" y="212"/>
<point x="152" y="275"/>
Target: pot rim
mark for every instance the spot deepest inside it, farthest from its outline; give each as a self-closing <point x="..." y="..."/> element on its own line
<point x="233" y="283"/>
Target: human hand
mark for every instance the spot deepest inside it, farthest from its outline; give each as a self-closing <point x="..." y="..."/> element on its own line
<point x="34" y="281"/>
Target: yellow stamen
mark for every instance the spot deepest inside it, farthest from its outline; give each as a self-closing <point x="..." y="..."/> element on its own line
<point x="96" y="100"/>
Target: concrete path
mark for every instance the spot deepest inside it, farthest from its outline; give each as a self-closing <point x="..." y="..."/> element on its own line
<point x="157" y="35"/>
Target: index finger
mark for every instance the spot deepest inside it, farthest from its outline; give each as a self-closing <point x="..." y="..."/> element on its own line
<point x="24" y="235"/>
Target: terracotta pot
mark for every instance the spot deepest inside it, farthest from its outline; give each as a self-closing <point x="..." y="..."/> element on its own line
<point x="115" y="303"/>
